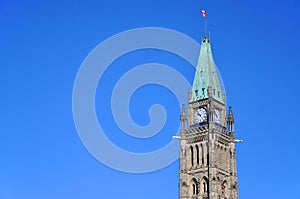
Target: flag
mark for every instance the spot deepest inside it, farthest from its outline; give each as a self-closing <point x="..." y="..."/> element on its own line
<point x="203" y="12"/>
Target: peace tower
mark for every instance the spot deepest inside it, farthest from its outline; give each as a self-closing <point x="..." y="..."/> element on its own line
<point x="207" y="144"/>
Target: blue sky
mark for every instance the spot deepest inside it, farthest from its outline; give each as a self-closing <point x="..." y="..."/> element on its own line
<point x="256" y="47"/>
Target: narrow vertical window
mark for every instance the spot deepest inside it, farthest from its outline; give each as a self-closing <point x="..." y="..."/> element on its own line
<point x="194" y="189"/>
<point x="204" y="187"/>
<point x="192" y="156"/>
<point x="197" y="153"/>
<point x="207" y="157"/>
<point x="202" y="157"/>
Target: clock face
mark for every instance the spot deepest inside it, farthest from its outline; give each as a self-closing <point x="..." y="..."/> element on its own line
<point x="217" y="116"/>
<point x="200" y="115"/>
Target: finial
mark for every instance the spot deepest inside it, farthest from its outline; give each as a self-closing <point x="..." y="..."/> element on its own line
<point x="183" y="114"/>
<point x="183" y="118"/>
<point x="183" y="110"/>
<point x="190" y="95"/>
<point x="230" y="120"/>
<point x="209" y="91"/>
<point x="230" y="115"/>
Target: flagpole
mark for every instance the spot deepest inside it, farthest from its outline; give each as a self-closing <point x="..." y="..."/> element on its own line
<point x="205" y="27"/>
<point x="203" y="12"/>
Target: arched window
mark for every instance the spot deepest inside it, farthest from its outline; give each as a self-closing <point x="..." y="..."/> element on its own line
<point x="194" y="189"/>
<point x="204" y="184"/>
<point x="202" y="157"/>
<point x="221" y="156"/>
<point x="192" y="156"/>
<point x="197" y="153"/>
<point x="224" y="188"/>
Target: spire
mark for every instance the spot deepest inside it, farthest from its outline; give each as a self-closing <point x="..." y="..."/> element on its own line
<point x="183" y="118"/>
<point x="230" y="115"/>
<point x="183" y="114"/>
<point x="207" y="75"/>
<point x="230" y="120"/>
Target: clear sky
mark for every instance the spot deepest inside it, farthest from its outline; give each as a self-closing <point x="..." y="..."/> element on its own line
<point x="256" y="46"/>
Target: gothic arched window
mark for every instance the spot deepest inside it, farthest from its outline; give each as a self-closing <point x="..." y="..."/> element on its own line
<point x="192" y="156"/>
<point x="224" y="188"/>
<point x="204" y="187"/>
<point x="194" y="189"/>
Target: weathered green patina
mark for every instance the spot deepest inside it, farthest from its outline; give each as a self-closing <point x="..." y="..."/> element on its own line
<point x="207" y="75"/>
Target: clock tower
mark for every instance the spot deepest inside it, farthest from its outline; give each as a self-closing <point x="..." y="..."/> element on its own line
<point x="207" y="148"/>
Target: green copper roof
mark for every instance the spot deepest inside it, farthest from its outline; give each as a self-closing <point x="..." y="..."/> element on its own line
<point x="207" y="75"/>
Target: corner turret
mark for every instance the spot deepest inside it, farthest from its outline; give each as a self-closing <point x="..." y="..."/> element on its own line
<point x="230" y="120"/>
